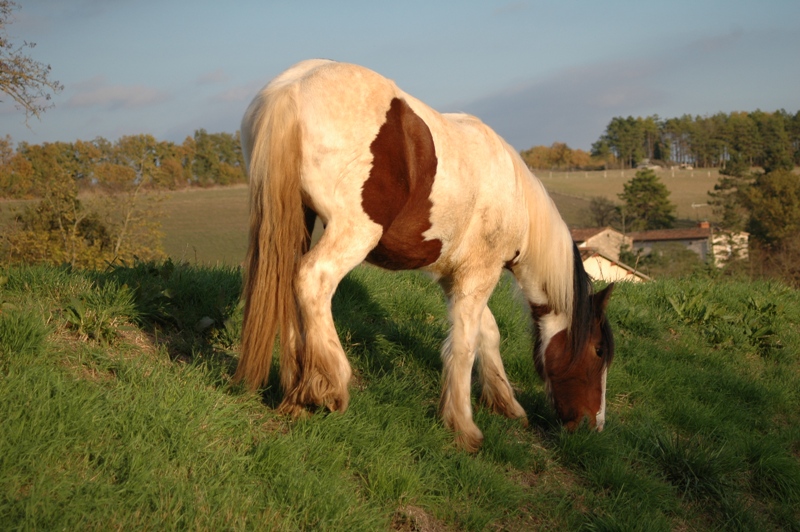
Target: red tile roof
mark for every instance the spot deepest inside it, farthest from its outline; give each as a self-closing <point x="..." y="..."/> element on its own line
<point x="689" y="233"/>
<point x="584" y="234"/>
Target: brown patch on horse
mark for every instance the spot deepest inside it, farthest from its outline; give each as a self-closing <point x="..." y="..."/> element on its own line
<point x="397" y="193"/>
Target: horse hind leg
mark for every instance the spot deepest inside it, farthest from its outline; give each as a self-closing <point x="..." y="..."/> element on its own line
<point x="290" y="357"/>
<point x="320" y="371"/>
<point x="497" y="393"/>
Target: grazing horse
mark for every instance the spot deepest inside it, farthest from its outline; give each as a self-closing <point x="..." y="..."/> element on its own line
<point x="402" y="186"/>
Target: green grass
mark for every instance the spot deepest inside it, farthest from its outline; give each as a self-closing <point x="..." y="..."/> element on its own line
<point x="117" y="411"/>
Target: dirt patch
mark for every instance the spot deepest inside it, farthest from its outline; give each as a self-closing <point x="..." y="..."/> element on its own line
<point x="411" y="518"/>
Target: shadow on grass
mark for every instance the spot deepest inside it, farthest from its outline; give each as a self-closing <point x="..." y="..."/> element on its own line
<point x="384" y="339"/>
<point x="195" y="313"/>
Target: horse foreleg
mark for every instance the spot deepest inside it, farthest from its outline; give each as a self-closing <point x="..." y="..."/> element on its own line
<point x="497" y="393"/>
<point x="458" y="357"/>
<point x="320" y="372"/>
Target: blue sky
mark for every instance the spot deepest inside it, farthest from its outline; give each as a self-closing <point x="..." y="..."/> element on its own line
<point x="535" y="71"/>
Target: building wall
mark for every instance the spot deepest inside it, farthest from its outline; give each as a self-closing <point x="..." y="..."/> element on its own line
<point x="602" y="269"/>
<point x="729" y="247"/>
<point x="699" y="246"/>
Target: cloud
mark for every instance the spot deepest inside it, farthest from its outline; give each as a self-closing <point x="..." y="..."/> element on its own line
<point x="95" y="92"/>
<point x="242" y="93"/>
<point x="210" y="78"/>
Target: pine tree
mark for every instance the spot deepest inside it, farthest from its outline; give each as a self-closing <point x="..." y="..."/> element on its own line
<point x="647" y="204"/>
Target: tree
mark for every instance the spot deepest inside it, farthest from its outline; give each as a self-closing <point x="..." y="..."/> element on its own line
<point x="115" y="222"/>
<point x="625" y="138"/>
<point x="777" y="153"/>
<point x="647" y="204"/>
<point x="16" y="173"/>
<point x="726" y="198"/>
<point x="603" y="212"/>
<point x="602" y="152"/>
<point x="773" y="202"/>
<point x="26" y="81"/>
<point x="560" y="155"/>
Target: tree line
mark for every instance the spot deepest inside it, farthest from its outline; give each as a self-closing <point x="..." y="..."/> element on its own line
<point x="205" y="159"/>
<point x="767" y="140"/>
<point x="97" y="200"/>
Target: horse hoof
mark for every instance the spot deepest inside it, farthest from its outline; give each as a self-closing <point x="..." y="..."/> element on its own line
<point x="338" y="405"/>
<point x="289" y="408"/>
<point x="469" y="441"/>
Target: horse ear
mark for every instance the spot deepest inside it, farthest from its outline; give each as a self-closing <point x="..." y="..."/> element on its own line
<point x="600" y="299"/>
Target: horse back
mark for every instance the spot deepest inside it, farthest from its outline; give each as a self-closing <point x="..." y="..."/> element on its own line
<point x="442" y="187"/>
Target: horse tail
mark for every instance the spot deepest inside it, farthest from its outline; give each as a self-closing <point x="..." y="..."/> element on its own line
<point x="271" y="142"/>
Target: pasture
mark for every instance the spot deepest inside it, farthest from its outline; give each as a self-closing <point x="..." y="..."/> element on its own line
<point x="687" y="187"/>
<point x="206" y="226"/>
<point x="117" y="412"/>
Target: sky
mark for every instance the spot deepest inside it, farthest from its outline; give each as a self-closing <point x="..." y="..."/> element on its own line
<point x="537" y="72"/>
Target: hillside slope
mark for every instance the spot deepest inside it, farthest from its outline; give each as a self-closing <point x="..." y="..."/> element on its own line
<point x="116" y="411"/>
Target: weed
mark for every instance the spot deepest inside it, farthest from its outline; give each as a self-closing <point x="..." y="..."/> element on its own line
<point x="100" y="314"/>
<point x="697" y="467"/>
<point x="774" y="473"/>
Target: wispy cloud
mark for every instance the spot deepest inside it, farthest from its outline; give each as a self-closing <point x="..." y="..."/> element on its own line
<point x="95" y="92"/>
<point x="242" y="93"/>
<point x="215" y="76"/>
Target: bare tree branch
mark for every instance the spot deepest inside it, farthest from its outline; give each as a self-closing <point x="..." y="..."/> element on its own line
<point x="25" y="80"/>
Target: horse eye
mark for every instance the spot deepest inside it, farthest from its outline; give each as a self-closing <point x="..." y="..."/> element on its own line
<point x="598" y="351"/>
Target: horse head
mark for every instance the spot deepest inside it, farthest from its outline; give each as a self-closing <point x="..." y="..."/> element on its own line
<point x="575" y="377"/>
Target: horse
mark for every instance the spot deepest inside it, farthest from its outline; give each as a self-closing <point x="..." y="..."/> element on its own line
<point x="401" y="186"/>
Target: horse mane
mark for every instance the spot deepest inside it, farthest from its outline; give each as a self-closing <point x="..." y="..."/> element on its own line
<point x="556" y="258"/>
<point x="582" y="305"/>
<point x="549" y="241"/>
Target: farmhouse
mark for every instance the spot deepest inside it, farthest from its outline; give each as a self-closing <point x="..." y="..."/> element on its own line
<point x="697" y="239"/>
<point x="600" y="247"/>
<point x="723" y="246"/>
<point x="600" y="267"/>
<point x="605" y="240"/>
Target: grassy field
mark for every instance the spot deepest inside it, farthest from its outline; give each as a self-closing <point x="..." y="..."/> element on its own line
<point x="117" y="412"/>
<point x="206" y="226"/>
<point x="686" y="187"/>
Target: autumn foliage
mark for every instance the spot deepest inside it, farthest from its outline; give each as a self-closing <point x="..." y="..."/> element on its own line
<point x="96" y="202"/>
